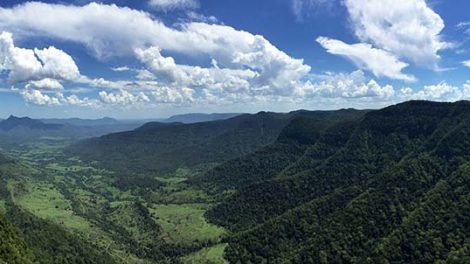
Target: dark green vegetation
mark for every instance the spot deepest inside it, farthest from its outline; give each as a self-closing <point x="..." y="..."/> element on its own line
<point x="13" y="249"/>
<point x="347" y="186"/>
<point x="391" y="187"/>
<point x="158" y="147"/>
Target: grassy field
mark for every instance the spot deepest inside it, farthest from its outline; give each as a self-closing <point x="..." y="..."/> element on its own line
<point x="210" y="255"/>
<point x="185" y="224"/>
<point x="46" y="202"/>
<point x="85" y="200"/>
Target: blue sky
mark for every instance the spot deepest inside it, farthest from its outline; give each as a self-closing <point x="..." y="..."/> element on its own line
<point x="155" y="58"/>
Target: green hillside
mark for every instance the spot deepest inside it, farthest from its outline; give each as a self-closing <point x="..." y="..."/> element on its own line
<point x="160" y="148"/>
<point x="396" y="190"/>
<point x="13" y="249"/>
<point x="347" y="186"/>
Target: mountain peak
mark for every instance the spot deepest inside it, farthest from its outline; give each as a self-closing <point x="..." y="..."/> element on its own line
<point x="14" y="122"/>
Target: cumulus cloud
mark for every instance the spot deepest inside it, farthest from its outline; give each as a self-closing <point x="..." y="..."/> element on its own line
<point x="466" y="63"/>
<point x="123" y="98"/>
<point x="45" y="84"/>
<point x="243" y="62"/>
<point x="352" y="85"/>
<point x="438" y="92"/>
<point x="174" y="4"/>
<point x="407" y="28"/>
<point x="179" y="96"/>
<point x="38" y="98"/>
<point x="26" y="65"/>
<point x="379" y="62"/>
<point x="230" y="80"/>
<point x="245" y="67"/>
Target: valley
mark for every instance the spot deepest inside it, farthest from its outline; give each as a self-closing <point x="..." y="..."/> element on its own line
<point x="345" y="186"/>
<point x="114" y="212"/>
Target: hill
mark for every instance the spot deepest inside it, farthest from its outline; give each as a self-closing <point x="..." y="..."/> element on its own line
<point x="161" y="148"/>
<point x="24" y="129"/>
<point x="197" y="118"/>
<point x="392" y="186"/>
<point x="14" y="122"/>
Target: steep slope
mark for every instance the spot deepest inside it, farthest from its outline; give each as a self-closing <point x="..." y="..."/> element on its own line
<point x="13" y="249"/>
<point x="301" y="133"/>
<point x="377" y="198"/>
<point x="40" y="241"/>
<point x="159" y="148"/>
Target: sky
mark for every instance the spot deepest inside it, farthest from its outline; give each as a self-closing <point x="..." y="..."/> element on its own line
<point x="156" y="58"/>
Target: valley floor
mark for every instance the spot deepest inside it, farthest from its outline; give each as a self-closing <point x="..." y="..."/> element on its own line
<point x="114" y="212"/>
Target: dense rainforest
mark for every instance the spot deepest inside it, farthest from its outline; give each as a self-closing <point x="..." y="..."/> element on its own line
<point x="393" y="187"/>
<point x="347" y="186"/>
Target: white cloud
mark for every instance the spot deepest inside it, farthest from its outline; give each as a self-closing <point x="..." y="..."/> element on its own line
<point x="438" y="92"/>
<point x="352" y="85"/>
<point x="121" y="69"/>
<point x="466" y="63"/>
<point x="57" y="64"/>
<point x="379" y="62"/>
<point x="407" y="28"/>
<point x="45" y="84"/>
<point x="26" y="65"/>
<point x="109" y="30"/>
<point x="123" y="98"/>
<point x="227" y="80"/>
<point x="174" y="96"/>
<point x="174" y="4"/>
<point x="36" y="97"/>
<point x="76" y="101"/>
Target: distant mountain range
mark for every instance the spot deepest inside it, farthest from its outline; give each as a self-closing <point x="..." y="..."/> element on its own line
<point x="84" y="122"/>
<point x="20" y="129"/>
<point x="25" y="129"/>
<point x="25" y="122"/>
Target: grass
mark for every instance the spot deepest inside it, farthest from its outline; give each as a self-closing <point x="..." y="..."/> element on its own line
<point x="2" y="206"/>
<point x="46" y="202"/>
<point x="210" y="255"/>
<point x="185" y="224"/>
<point x="72" y="193"/>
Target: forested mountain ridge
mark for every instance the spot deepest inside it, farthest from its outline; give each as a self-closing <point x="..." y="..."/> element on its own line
<point x="347" y="186"/>
<point x="396" y="190"/>
<point x="159" y="148"/>
<point x="302" y="131"/>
